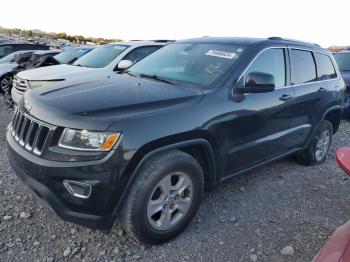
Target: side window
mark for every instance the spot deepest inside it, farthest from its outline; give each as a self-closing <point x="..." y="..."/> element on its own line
<point x="271" y="61"/>
<point x="140" y="53"/>
<point x="303" y="67"/>
<point x="325" y="68"/>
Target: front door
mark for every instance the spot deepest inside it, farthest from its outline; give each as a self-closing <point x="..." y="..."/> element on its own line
<point x="259" y="127"/>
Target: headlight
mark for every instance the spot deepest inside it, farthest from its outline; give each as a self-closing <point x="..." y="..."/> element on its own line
<point x="88" y="140"/>
<point x="35" y="84"/>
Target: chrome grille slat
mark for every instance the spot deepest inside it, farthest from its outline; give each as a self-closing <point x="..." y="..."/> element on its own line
<point x="29" y="133"/>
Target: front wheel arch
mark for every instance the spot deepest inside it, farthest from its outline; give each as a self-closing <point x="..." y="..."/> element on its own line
<point x="210" y="174"/>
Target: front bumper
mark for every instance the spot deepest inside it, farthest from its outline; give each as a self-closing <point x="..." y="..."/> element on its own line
<point x="45" y="178"/>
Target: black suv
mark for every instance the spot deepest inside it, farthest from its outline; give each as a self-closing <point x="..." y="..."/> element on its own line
<point x="142" y="145"/>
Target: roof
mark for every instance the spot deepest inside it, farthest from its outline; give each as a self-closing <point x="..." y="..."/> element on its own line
<point x="140" y="42"/>
<point x="251" y="41"/>
<point x="44" y="52"/>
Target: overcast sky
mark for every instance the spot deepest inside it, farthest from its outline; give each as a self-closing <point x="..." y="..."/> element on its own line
<point x="323" y="22"/>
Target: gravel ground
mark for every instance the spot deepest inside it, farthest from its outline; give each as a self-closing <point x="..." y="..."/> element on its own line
<point x="251" y="218"/>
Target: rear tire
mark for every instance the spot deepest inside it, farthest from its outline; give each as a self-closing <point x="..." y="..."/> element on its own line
<point x="164" y="198"/>
<point x="321" y="141"/>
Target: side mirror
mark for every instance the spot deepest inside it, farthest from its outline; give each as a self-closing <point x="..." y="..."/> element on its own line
<point x="258" y="82"/>
<point x="124" y="64"/>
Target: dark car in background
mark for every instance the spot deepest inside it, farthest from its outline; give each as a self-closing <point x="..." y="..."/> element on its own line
<point x="142" y="144"/>
<point x="343" y="61"/>
<point x="8" y="48"/>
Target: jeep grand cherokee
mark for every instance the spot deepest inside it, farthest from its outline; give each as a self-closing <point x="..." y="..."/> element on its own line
<point x="142" y="145"/>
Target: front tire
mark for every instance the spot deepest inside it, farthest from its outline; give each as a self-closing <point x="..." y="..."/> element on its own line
<point x="5" y="83"/>
<point x="164" y="198"/>
<point x="317" y="151"/>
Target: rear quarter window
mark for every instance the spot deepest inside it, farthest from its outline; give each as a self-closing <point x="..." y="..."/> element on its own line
<point x="303" y="67"/>
<point x="325" y="67"/>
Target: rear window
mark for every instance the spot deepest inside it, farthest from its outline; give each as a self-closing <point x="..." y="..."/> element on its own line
<point x="303" y="67"/>
<point x="325" y="68"/>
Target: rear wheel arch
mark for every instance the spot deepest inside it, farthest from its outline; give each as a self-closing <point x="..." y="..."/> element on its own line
<point x="333" y="115"/>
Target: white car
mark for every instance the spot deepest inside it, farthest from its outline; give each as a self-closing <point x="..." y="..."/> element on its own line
<point x="100" y="63"/>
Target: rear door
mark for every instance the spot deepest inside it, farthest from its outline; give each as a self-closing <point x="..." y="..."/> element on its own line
<point x="310" y="91"/>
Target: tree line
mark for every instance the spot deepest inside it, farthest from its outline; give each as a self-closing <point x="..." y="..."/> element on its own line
<point x="42" y="34"/>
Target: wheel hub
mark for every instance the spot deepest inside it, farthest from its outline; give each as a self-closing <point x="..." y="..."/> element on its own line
<point x="170" y="201"/>
<point x="322" y="145"/>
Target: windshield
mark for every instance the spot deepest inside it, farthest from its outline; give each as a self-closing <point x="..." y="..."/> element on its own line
<point x="70" y="55"/>
<point x="199" y="64"/>
<point x="101" y="56"/>
<point x="343" y="61"/>
<point x="8" y="58"/>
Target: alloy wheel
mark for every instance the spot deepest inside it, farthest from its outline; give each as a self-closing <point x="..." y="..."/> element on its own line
<point x="170" y="201"/>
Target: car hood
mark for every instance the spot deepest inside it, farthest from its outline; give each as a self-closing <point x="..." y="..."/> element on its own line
<point x="6" y="68"/>
<point x="346" y="77"/>
<point x="58" y="72"/>
<point x="97" y="105"/>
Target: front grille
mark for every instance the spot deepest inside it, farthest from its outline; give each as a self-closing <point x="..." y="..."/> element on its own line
<point x="20" y="84"/>
<point x="29" y="133"/>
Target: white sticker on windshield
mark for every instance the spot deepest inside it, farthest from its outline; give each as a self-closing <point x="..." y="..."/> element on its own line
<point x="222" y="54"/>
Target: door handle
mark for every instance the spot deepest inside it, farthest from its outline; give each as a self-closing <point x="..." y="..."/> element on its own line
<point x="322" y="89"/>
<point x="285" y="97"/>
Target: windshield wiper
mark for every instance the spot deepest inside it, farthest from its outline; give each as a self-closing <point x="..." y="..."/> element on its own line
<point x="155" y="77"/>
<point x="128" y="72"/>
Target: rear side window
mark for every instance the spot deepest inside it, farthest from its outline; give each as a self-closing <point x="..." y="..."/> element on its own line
<point x="270" y="61"/>
<point x="325" y="68"/>
<point x="303" y="67"/>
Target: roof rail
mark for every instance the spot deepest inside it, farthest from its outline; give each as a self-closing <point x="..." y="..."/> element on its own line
<point x="275" y="38"/>
<point x="162" y="40"/>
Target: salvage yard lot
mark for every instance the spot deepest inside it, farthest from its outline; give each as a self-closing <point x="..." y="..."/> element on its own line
<point x="249" y="219"/>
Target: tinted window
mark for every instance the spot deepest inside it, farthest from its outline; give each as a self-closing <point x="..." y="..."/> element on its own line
<point x="325" y="68"/>
<point x="271" y="62"/>
<point x="303" y="67"/>
<point x="343" y="61"/>
<point x="140" y="53"/>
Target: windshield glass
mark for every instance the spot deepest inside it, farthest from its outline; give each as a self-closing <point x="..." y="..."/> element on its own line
<point x="70" y="55"/>
<point x="8" y="58"/>
<point x="199" y="64"/>
<point x="101" y="56"/>
<point x="343" y="61"/>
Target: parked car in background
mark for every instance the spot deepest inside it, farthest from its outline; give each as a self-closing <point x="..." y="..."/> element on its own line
<point x="8" y="48"/>
<point x="7" y="64"/>
<point x="23" y="60"/>
<point x="10" y="58"/>
<point x="343" y="61"/>
<point x="141" y="145"/>
<point x="71" y="54"/>
<point x="102" y="62"/>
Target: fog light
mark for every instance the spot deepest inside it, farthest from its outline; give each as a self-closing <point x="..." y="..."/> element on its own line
<point x="78" y="189"/>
